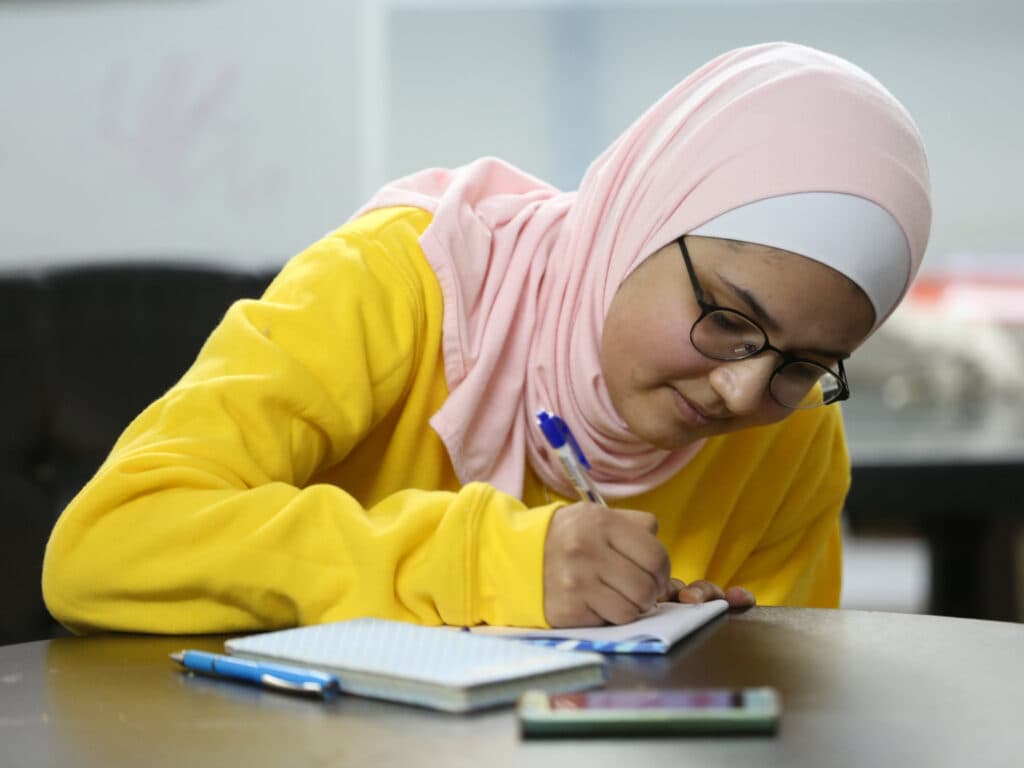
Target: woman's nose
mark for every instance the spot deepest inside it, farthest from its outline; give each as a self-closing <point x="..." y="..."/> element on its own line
<point x="742" y="383"/>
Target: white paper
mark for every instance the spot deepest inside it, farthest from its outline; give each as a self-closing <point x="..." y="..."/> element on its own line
<point x="667" y="622"/>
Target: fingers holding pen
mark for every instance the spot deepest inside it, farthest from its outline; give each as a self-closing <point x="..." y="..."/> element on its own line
<point x="648" y="579"/>
<point x="601" y="562"/>
<point x="611" y="605"/>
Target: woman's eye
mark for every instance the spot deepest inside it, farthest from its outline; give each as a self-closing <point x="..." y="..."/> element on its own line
<point x="729" y="322"/>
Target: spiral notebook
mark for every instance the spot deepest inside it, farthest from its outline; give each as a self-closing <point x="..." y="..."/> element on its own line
<point x="426" y="666"/>
<point x="655" y="632"/>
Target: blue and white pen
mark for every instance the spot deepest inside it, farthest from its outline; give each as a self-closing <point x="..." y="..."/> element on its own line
<point x="280" y="677"/>
<point x="576" y="466"/>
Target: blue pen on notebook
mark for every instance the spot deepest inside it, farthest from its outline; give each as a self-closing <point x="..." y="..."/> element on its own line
<point x="280" y="677"/>
<point x="576" y="466"/>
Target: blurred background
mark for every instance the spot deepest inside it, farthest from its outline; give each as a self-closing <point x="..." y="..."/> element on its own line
<point x="231" y="133"/>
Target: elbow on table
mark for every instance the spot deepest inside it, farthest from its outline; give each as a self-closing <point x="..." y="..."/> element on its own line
<point x="74" y="584"/>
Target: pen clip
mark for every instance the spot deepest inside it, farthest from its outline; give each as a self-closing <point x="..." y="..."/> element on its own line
<point x="306" y="686"/>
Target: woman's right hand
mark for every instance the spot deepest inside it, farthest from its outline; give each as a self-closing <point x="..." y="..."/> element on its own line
<point x="602" y="566"/>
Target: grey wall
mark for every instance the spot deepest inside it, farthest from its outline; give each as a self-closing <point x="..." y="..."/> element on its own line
<point x="240" y="131"/>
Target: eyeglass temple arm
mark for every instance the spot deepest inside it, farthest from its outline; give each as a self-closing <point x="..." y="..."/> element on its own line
<point x="698" y="291"/>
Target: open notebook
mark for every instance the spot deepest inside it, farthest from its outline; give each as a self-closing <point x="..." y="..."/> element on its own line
<point x="655" y="632"/>
<point x="428" y="666"/>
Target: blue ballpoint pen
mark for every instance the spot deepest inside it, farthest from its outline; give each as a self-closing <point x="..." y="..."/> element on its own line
<point x="576" y="466"/>
<point x="270" y="675"/>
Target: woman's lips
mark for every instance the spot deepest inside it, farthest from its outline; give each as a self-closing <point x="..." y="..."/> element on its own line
<point x="689" y="412"/>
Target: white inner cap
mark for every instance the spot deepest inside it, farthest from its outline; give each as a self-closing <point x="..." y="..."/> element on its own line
<point x="854" y="236"/>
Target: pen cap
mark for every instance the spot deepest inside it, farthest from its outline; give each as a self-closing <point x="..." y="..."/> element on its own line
<point x="557" y="433"/>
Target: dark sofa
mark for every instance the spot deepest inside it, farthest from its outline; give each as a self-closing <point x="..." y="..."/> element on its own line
<point x="83" y="349"/>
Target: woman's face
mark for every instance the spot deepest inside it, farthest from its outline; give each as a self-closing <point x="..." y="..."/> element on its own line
<point x="669" y="393"/>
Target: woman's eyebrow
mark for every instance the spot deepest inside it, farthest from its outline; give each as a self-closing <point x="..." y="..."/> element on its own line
<point x="770" y="322"/>
<point x="752" y="304"/>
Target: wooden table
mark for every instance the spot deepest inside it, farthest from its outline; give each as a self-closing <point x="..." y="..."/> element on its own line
<point x="859" y="689"/>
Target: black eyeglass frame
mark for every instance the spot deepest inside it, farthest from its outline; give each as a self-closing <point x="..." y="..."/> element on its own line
<point x="706" y="308"/>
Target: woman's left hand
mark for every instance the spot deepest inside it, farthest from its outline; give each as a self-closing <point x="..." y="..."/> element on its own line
<point x="702" y="591"/>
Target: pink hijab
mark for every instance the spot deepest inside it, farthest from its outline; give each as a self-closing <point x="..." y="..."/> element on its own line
<point x="528" y="272"/>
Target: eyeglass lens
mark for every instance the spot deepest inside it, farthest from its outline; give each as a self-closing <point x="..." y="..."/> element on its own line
<point x="726" y="335"/>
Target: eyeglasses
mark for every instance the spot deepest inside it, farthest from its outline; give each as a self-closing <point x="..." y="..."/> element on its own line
<point x="726" y="334"/>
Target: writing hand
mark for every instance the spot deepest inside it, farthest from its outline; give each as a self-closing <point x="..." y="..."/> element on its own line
<point x="602" y="566"/>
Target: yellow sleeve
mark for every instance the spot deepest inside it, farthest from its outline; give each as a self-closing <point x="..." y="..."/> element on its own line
<point x="798" y="560"/>
<point x="221" y="507"/>
<point x="760" y="508"/>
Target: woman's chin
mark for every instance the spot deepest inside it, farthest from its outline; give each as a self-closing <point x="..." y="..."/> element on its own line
<point x="666" y="434"/>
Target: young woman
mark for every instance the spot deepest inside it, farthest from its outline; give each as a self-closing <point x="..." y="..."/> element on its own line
<point x="362" y="439"/>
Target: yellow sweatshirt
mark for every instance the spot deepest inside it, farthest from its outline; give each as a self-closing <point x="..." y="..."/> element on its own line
<point x="291" y="477"/>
